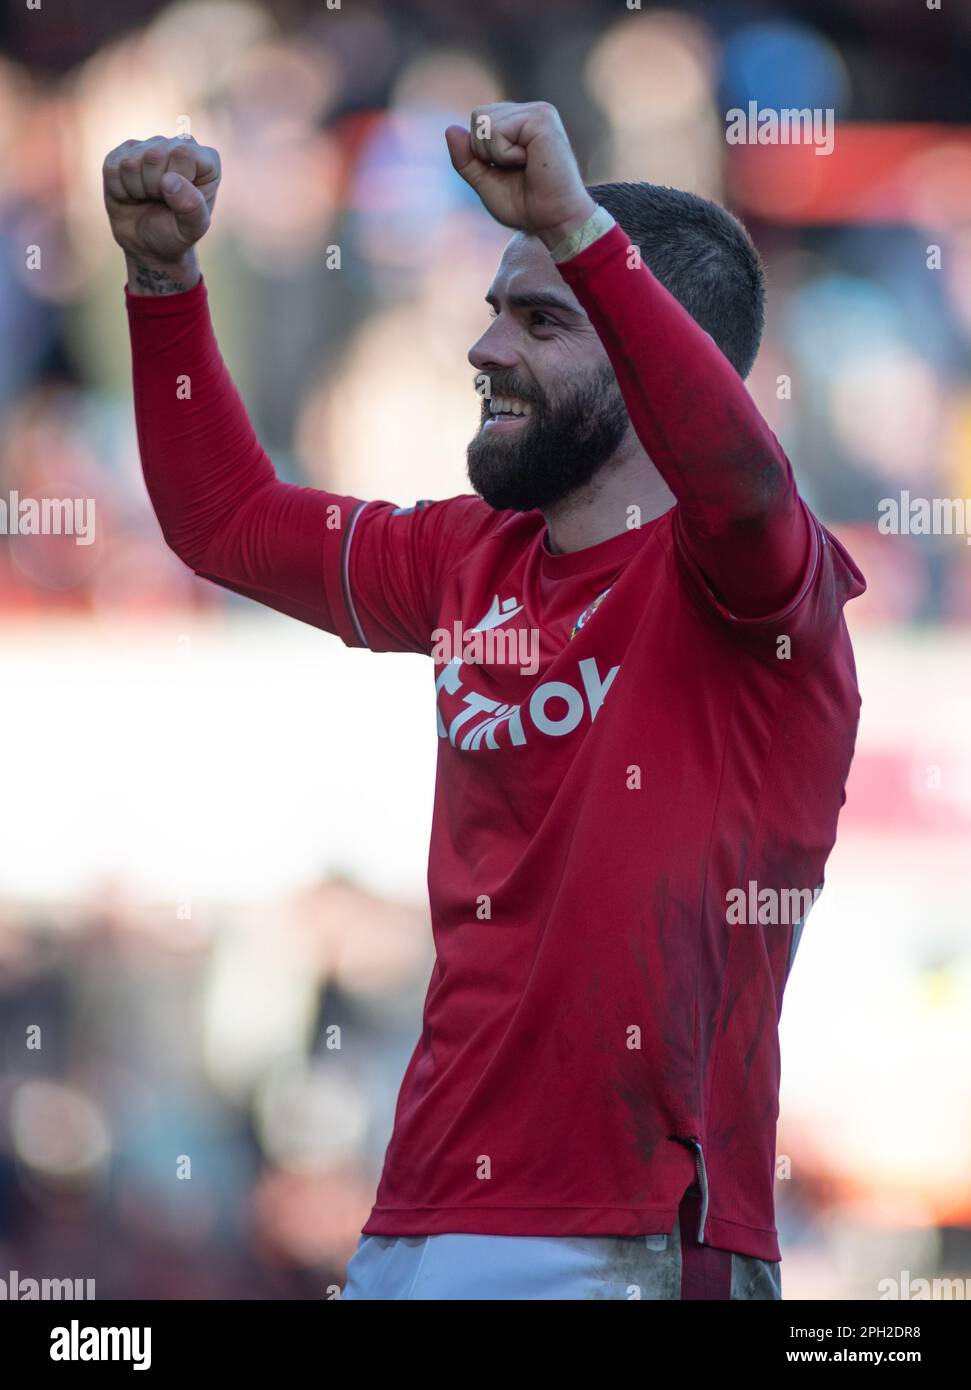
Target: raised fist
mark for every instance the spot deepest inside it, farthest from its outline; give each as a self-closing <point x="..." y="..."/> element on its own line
<point x="517" y="157"/>
<point x="159" y="194"/>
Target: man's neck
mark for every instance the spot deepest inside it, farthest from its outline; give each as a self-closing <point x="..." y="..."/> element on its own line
<point x="625" y="494"/>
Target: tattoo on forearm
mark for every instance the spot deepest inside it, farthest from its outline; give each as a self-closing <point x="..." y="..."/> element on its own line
<point x="151" y="281"/>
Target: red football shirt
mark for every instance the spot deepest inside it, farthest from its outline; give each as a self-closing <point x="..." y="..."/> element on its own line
<point x="623" y="760"/>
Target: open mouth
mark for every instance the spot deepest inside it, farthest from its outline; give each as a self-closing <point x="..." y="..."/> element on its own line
<point x="506" y="411"/>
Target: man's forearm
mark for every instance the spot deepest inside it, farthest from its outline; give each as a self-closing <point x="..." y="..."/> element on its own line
<point x="200" y="454"/>
<point x="152" y="277"/>
<point x="213" y="487"/>
<point x="739" y="510"/>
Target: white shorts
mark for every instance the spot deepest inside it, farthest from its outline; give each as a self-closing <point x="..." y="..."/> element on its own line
<point x="554" y="1267"/>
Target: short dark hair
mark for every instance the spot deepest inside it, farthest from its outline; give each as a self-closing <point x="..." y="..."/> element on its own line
<point x="702" y="254"/>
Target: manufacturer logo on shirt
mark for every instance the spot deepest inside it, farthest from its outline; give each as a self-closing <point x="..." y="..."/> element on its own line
<point x="500" y="611"/>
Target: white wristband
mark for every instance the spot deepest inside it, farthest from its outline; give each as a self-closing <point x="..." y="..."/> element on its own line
<point x="597" y="225"/>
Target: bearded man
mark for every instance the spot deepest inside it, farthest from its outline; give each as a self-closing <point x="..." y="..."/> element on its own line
<point x="591" y="1107"/>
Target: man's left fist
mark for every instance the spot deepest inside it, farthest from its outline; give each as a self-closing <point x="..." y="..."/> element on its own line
<point x="517" y="157"/>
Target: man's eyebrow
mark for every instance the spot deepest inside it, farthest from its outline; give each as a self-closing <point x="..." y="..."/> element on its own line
<point x="539" y="299"/>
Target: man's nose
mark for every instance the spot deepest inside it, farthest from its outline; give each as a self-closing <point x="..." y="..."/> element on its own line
<point x="494" y="349"/>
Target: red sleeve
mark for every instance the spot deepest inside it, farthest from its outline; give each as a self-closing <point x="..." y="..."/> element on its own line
<point x="798" y="632"/>
<point x="740" y="519"/>
<point x="367" y="571"/>
<point x="391" y="566"/>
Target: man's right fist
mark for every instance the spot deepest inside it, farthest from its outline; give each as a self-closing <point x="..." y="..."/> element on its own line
<point x="159" y="194"/>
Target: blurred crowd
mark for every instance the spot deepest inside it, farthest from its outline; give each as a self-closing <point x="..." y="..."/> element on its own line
<point x="197" y="1107"/>
<point x="346" y="265"/>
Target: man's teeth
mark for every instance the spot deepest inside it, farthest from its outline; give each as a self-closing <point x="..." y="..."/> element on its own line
<point x="507" y="405"/>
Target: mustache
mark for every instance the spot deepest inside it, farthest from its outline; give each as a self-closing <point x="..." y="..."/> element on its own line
<point x="506" y="386"/>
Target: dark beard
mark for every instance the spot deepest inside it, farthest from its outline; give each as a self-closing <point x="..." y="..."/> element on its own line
<point x="562" y="447"/>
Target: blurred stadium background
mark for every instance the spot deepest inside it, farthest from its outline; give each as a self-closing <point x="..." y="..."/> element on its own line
<point x="214" y="821"/>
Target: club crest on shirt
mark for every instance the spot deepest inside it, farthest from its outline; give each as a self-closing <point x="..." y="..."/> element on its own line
<point x="588" y="612"/>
